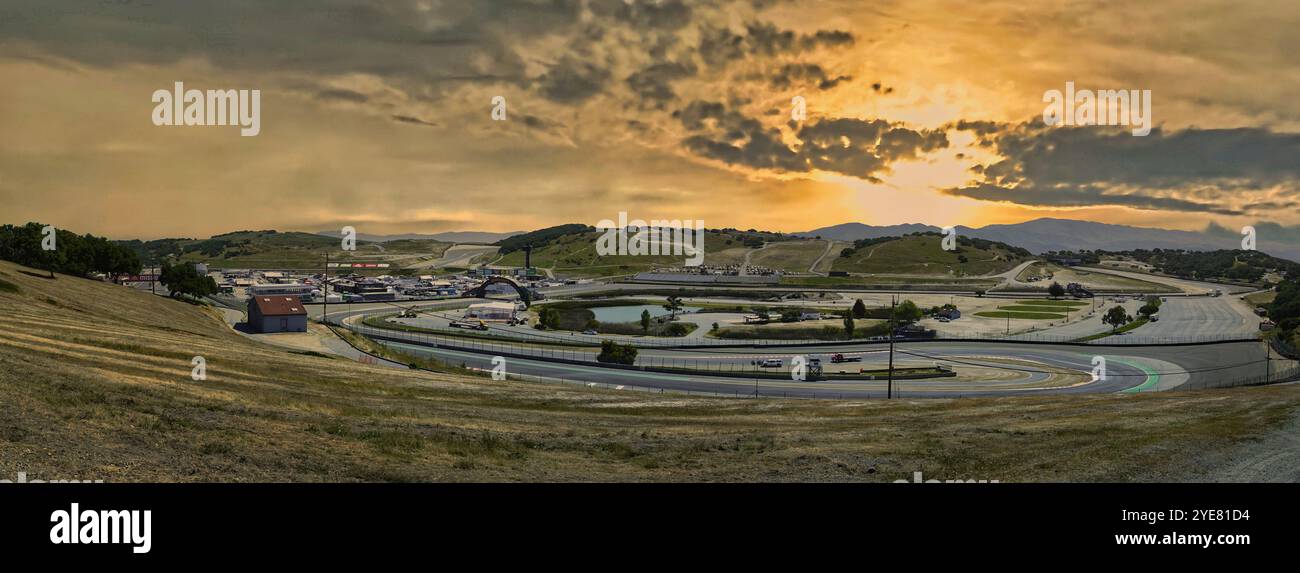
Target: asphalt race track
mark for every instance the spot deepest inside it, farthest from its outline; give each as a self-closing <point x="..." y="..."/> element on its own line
<point x="983" y="368"/>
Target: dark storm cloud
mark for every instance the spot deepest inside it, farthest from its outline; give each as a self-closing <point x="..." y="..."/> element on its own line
<point x="1224" y="171"/>
<point x="395" y="40"/>
<point x="342" y="95"/>
<point x="665" y="15"/>
<point x="573" y="80"/>
<point x="413" y="120"/>
<point x="863" y="148"/>
<point x="721" y="46"/>
<point x="860" y="148"/>
<point x="734" y="139"/>
<point x="423" y="52"/>
<point x="804" y="74"/>
<point x="654" y="83"/>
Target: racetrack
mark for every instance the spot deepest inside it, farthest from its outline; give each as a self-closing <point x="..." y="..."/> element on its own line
<point x="982" y="368"/>
<point x="1037" y="370"/>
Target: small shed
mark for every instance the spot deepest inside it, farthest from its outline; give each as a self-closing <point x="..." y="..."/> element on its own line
<point x="276" y="314"/>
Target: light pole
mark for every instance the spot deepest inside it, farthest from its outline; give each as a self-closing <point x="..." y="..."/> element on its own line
<point x="889" y="388"/>
<point x="325" y="288"/>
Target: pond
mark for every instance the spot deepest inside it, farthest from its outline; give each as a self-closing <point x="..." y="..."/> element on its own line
<point x="632" y="312"/>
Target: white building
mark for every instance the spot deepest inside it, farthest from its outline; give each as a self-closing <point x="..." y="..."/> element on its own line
<point x="491" y="311"/>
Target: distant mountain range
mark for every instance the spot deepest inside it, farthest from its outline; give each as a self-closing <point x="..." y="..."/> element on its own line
<point x="447" y="237"/>
<point x="1047" y="234"/>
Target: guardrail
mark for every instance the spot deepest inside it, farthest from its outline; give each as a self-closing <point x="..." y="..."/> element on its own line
<point x="1273" y="375"/>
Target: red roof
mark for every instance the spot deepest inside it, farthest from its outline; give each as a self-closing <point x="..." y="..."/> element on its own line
<point x="279" y="305"/>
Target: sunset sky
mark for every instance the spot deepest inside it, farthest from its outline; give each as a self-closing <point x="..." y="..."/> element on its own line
<point x="378" y="114"/>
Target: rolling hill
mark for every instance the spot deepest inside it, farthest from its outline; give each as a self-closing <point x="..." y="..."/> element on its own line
<point x="271" y="249"/>
<point x="1049" y="234"/>
<point x="922" y="254"/>
<point x="570" y="250"/>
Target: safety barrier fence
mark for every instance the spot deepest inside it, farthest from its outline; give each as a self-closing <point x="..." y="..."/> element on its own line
<point x="1273" y="372"/>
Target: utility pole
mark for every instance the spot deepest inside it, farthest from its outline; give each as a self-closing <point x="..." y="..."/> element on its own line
<point x="893" y="304"/>
<point x="1268" y="361"/>
<point x="325" y="288"/>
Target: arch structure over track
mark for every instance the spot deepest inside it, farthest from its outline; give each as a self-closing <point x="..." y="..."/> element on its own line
<point x="525" y="294"/>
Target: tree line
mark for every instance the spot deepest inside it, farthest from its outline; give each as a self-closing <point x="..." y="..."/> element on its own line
<point x="1233" y="265"/>
<point x="78" y="255"/>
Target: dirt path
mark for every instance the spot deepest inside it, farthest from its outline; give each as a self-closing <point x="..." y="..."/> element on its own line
<point x="813" y="268"/>
<point x="456" y="255"/>
<point x="745" y="265"/>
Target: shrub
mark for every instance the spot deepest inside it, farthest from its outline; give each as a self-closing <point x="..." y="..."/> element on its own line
<point x="614" y="353"/>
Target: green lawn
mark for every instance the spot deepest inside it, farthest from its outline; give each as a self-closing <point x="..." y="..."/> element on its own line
<point x="1125" y="328"/>
<point x="1038" y="308"/>
<point x="1049" y="302"/>
<point x="1020" y="314"/>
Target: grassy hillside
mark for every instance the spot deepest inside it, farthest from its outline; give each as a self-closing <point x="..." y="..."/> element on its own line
<point x="292" y="250"/>
<point x="95" y="384"/>
<point x="924" y="255"/>
<point x="574" y="254"/>
<point x="1237" y="266"/>
<point x="1102" y="282"/>
<point x="791" y="256"/>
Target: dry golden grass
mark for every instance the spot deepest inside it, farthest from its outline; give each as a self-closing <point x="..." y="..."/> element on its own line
<point x="94" y="384"/>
